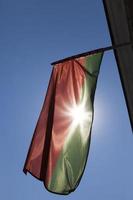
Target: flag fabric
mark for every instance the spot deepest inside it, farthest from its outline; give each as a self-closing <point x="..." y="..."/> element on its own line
<point x="60" y="144"/>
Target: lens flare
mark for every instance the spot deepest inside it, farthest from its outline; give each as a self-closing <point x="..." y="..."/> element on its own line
<point x="79" y="115"/>
<point x="81" y="118"/>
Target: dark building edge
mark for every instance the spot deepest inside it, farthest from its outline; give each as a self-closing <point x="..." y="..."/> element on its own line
<point x="118" y="64"/>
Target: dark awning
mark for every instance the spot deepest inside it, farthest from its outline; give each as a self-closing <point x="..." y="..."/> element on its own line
<point x="119" y="15"/>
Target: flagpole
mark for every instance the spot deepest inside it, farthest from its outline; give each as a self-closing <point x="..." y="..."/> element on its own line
<point x="113" y="47"/>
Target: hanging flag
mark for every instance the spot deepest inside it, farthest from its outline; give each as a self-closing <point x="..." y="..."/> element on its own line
<point x="60" y="144"/>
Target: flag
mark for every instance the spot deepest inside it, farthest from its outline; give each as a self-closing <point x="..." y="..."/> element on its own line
<point x="60" y="144"/>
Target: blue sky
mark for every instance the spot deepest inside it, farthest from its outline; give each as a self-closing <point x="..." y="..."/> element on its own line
<point x="34" y="33"/>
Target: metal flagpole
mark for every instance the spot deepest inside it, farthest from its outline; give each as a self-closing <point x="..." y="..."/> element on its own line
<point x="92" y="52"/>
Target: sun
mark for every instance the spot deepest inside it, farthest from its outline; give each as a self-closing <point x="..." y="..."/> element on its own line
<point x="78" y="115"/>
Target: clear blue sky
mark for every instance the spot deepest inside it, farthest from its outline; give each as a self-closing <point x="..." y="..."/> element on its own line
<point x="33" y="33"/>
